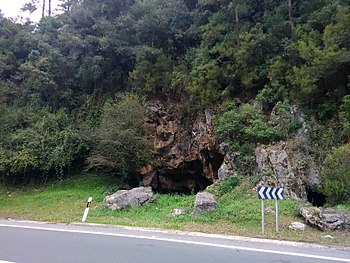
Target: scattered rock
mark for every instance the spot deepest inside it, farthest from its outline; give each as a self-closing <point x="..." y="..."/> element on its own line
<point x="129" y="198"/>
<point x="178" y="212"/>
<point x="269" y="209"/>
<point x="326" y="218"/>
<point x="205" y="202"/>
<point x="297" y="226"/>
<point x="328" y="236"/>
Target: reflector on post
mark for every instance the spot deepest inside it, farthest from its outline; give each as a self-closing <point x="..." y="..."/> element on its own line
<point x="88" y="204"/>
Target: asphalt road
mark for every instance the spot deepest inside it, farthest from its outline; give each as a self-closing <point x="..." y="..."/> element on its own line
<point x="34" y="242"/>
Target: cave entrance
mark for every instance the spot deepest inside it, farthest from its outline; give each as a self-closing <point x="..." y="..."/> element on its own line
<point x="315" y="198"/>
<point x="186" y="179"/>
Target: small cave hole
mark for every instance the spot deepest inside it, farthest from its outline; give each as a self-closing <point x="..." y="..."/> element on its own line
<point x="316" y="198"/>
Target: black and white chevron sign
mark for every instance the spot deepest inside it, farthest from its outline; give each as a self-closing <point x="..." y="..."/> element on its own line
<point x="270" y="193"/>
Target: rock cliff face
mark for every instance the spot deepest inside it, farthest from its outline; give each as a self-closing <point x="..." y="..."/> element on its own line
<point x="282" y="165"/>
<point x="186" y="160"/>
<point x="190" y="159"/>
<point x="290" y="164"/>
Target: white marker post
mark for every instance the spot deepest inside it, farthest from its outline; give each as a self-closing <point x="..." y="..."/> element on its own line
<point x="86" y="209"/>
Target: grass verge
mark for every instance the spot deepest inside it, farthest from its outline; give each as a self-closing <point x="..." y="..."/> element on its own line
<point x="238" y="213"/>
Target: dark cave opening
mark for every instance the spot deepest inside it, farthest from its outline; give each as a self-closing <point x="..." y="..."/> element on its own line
<point x="188" y="178"/>
<point x="315" y="198"/>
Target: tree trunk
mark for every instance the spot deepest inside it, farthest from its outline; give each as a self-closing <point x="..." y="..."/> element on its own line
<point x="290" y="12"/>
<point x="290" y="17"/>
<point x="43" y="10"/>
<point x="236" y="16"/>
<point x="49" y="7"/>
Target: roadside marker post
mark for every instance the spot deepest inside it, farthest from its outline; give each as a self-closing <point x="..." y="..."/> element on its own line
<point x="269" y="193"/>
<point x="88" y="204"/>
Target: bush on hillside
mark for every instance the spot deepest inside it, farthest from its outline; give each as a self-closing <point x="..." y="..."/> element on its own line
<point x="336" y="175"/>
<point x="37" y="145"/>
<point x="242" y="128"/>
<point x="345" y="116"/>
<point x="120" y="142"/>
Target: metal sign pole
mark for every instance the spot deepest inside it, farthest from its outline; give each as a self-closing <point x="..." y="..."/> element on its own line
<point x="276" y="215"/>
<point x="262" y="217"/>
<point x="269" y="193"/>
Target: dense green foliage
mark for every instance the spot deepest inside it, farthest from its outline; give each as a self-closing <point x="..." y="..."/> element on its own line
<point x="336" y="175"/>
<point x="120" y="146"/>
<point x="59" y="78"/>
<point x="242" y="128"/>
<point x="38" y="143"/>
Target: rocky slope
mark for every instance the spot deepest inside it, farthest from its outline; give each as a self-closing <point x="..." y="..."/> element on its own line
<point x="190" y="160"/>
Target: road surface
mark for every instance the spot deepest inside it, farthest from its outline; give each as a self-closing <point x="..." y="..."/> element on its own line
<point x="35" y="242"/>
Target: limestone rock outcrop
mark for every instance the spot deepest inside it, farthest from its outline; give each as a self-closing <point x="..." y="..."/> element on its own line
<point x="186" y="160"/>
<point x="289" y="163"/>
<point x="228" y="166"/>
<point x="326" y="218"/>
<point x="129" y="198"/>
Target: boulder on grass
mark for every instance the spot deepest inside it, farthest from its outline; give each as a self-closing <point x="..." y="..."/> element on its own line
<point x="205" y="202"/>
<point x="129" y="198"/>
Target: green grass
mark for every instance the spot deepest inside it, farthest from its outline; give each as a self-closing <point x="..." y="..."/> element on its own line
<point x="238" y="213"/>
<point x="344" y="207"/>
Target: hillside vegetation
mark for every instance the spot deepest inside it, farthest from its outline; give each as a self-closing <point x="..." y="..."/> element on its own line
<point x="73" y="86"/>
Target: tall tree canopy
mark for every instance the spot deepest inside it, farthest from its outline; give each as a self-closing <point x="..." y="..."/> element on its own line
<point x="198" y="52"/>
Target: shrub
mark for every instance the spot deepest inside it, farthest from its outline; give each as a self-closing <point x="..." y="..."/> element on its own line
<point x="336" y="175"/>
<point x="227" y="185"/>
<point x="345" y="116"/>
<point x="242" y="128"/>
<point x="121" y="145"/>
<point x="39" y="145"/>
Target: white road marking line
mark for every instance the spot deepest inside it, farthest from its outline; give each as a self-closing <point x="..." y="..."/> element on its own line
<point x="184" y="242"/>
<point x="3" y="261"/>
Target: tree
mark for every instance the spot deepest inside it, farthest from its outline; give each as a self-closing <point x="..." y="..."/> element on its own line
<point x="43" y="9"/>
<point x="38" y="144"/>
<point x="152" y="73"/>
<point x="345" y="116"/>
<point x="120" y="144"/>
<point x="31" y="7"/>
<point x="336" y="175"/>
<point x="290" y="12"/>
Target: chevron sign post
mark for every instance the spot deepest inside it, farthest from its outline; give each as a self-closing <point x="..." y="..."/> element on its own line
<point x="269" y="193"/>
